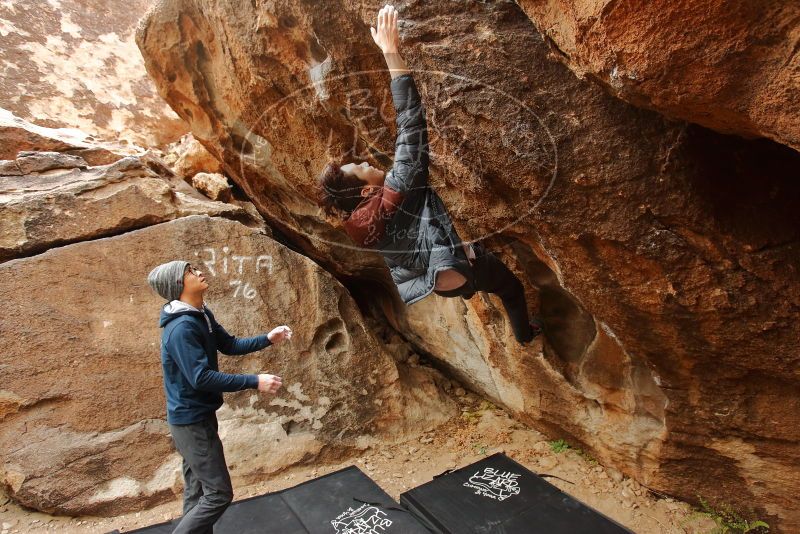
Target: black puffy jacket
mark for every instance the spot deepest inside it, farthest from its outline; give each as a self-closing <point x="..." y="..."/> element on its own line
<point x="406" y="220"/>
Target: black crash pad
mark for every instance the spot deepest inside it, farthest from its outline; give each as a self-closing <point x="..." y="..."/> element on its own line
<point x="343" y="502"/>
<point x="499" y="496"/>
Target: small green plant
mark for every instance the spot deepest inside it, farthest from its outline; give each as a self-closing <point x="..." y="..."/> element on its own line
<point x="480" y="449"/>
<point x="486" y="405"/>
<point x="559" y="446"/>
<point x="472" y="417"/>
<point x="728" y="520"/>
<point x="586" y="456"/>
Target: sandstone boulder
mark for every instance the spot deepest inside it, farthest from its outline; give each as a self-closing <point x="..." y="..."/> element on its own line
<point x="17" y="135"/>
<point x="188" y="157"/>
<point x="82" y="403"/>
<point x="50" y="199"/>
<point x="40" y="162"/>
<point x="213" y="185"/>
<point x="74" y="63"/>
<point x="732" y="66"/>
<point x="661" y="255"/>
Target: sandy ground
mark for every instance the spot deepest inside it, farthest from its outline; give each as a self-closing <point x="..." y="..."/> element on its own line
<point x="401" y="466"/>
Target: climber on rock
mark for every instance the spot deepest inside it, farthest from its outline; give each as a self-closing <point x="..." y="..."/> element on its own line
<point x="193" y="385"/>
<point x="402" y="217"/>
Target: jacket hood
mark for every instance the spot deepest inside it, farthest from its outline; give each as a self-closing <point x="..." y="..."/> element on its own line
<point x="176" y="308"/>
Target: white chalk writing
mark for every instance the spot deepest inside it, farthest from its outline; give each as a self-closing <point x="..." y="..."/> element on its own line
<point x="226" y="264"/>
<point x="365" y="519"/>
<point x="499" y="485"/>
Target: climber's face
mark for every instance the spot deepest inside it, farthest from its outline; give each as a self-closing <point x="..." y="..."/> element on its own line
<point x="366" y="173"/>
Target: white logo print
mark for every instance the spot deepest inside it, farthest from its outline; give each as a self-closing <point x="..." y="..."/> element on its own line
<point x="499" y="485"/>
<point x="365" y="519"/>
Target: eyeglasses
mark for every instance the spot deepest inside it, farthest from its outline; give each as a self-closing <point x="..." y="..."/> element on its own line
<point x="192" y="270"/>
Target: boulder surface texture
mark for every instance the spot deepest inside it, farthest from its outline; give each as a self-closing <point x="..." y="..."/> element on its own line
<point x="662" y="255"/>
<point x="730" y="65"/>
<point x="82" y="406"/>
<point x="74" y="63"/>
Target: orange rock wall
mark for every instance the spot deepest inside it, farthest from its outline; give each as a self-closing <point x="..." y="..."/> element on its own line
<point x="663" y="256"/>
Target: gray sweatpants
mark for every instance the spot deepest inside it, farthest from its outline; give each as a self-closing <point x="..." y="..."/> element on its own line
<point x="207" y="490"/>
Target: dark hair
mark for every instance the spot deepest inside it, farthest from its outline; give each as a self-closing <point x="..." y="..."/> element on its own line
<point x="340" y="193"/>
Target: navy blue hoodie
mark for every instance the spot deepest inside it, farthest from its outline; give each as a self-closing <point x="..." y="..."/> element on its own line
<point x="192" y="381"/>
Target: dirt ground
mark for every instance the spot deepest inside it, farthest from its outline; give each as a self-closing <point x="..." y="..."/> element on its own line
<point x="401" y="466"/>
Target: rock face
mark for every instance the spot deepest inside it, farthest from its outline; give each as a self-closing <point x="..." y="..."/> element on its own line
<point x="188" y="157"/>
<point x="663" y="256"/>
<point x="17" y="135"/>
<point x="215" y="186"/>
<point x="82" y="404"/>
<point x="51" y="198"/>
<point x="73" y="63"/>
<point x="730" y="66"/>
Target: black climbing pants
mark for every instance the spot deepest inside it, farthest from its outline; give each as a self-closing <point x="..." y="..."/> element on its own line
<point x="491" y="275"/>
<point x="207" y="490"/>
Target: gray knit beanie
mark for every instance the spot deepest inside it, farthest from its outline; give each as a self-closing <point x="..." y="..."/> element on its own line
<point x="167" y="279"/>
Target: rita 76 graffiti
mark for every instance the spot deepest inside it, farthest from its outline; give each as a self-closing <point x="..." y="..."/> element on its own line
<point x="236" y="266"/>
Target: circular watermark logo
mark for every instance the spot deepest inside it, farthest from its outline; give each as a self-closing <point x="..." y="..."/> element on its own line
<point x="448" y="138"/>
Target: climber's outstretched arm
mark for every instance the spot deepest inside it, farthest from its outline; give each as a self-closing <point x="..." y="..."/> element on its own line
<point x="387" y="37"/>
<point x="410" y="170"/>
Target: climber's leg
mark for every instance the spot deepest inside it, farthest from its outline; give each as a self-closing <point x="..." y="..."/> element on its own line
<point x="492" y="275"/>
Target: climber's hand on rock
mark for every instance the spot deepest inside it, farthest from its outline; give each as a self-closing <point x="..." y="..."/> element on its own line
<point x="386" y="35"/>
<point x="269" y="383"/>
<point x="279" y="334"/>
